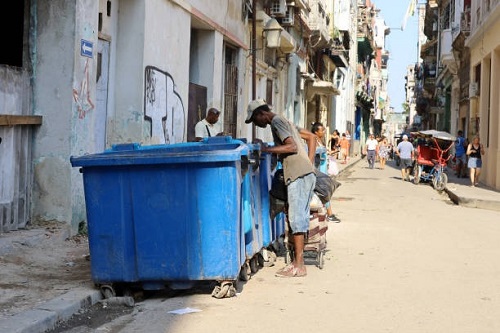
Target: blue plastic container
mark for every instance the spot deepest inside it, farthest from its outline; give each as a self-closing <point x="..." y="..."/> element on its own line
<point x="167" y="214"/>
<point x="251" y="203"/>
<point x="322" y="157"/>
<point x="265" y="187"/>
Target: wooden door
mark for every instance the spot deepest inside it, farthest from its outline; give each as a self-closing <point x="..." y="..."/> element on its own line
<point x="197" y="107"/>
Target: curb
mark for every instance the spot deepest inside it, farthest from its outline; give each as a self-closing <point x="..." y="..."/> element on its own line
<point x="47" y="315"/>
<point x="473" y="203"/>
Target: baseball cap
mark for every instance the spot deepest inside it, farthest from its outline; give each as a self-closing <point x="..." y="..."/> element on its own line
<point x="405" y="137"/>
<point x="255" y="104"/>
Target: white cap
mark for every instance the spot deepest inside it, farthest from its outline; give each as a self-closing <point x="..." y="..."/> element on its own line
<point x="255" y="104"/>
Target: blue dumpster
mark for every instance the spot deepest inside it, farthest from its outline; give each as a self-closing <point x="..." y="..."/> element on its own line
<point x="165" y="215"/>
<point x="265" y="209"/>
<point x="251" y="213"/>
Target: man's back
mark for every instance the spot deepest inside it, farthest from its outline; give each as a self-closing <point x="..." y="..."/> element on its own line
<point x="405" y="149"/>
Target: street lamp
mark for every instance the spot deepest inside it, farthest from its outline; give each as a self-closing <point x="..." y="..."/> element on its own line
<point x="272" y="33"/>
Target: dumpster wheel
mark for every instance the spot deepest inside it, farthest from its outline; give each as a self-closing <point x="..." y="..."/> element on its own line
<point x="321" y="259"/>
<point x="266" y="258"/>
<point x="254" y="264"/>
<point x="245" y="272"/>
<point x="107" y="291"/>
<point x="226" y="289"/>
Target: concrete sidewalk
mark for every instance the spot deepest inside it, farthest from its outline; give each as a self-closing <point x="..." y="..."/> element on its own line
<point x="46" y="315"/>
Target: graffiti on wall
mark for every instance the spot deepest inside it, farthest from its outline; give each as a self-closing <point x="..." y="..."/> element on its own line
<point x="82" y="98"/>
<point x="163" y="107"/>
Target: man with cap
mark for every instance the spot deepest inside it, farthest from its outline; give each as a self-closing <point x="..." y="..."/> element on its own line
<point x="298" y="172"/>
<point x="209" y="126"/>
<point x="405" y="151"/>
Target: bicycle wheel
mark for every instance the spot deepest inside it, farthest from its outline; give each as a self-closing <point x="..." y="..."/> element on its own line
<point x="440" y="181"/>
<point x="417" y="173"/>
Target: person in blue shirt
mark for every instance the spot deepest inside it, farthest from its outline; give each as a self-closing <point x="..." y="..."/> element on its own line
<point x="460" y="156"/>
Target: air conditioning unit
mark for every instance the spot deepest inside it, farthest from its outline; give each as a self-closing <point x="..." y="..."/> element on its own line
<point x="473" y="89"/>
<point x="278" y="8"/>
<point x="289" y="16"/>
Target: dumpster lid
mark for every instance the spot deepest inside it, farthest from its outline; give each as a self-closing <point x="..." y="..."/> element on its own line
<point x="224" y="149"/>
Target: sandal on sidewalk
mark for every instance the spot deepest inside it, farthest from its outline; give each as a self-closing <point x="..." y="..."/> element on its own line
<point x="291" y="271"/>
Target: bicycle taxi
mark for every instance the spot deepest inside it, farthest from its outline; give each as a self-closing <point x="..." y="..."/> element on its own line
<point x="433" y="153"/>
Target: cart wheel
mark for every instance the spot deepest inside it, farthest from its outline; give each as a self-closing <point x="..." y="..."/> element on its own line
<point x="440" y="182"/>
<point x="245" y="272"/>
<point x="254" y="264"/>
<point x="321" y="259"/>
<point x="108" y="291"/>
<point x="288" y="256"/>
<point x="417" y="173"/>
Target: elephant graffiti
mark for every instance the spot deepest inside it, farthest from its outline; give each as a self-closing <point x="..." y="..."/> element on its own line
<point x="163" y="107"/>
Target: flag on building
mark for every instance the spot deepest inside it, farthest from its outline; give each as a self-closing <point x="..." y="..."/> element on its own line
<point x="409" y="12"/>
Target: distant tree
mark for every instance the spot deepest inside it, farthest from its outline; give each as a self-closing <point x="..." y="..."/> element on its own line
<point x="406" y="108"/>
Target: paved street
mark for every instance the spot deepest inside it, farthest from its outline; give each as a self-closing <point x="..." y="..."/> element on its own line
<point x="403" y="259"/>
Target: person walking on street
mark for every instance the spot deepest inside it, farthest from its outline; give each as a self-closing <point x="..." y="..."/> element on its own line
<point x="371" y="146"/>
<point x="319" y="130"/>
<point x="405" y="152"/>
<point x="460" y="156"/>
<point x="209" y="126"/>
<point x="298" y="172"/>
<point x="475" y="150"/>
<point x="383" y="152"/>
<point x="349" y="138"/>
<point x="344" y="148"/>
<point x="334" y="143"/>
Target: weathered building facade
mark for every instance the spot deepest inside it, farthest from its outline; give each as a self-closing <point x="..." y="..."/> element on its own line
<point x="80" y="76"/>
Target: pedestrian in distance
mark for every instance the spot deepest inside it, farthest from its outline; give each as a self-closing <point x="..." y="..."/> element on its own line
<point x="383" y="152"/>
<point x="475" y="150"/>
<point x="371" y="146"/>
<point x="209" y="126"/>
<point x="344" y="148"/>
<point x="319" y="130"/>
<point x="460" y="155"/>
<point x="349" y="138"/>
<point x="298" y="172"/>
<point x="334" y="143"/>
<point x="405" y="152"/>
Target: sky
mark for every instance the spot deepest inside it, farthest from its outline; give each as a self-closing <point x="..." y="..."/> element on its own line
<point x="402" y="45"/>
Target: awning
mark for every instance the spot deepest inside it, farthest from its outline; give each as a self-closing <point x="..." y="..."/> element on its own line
<point x="436" y="110"/>
<point x="320" y="87"/>
<point x="287" y="42"/>
<point x="339" y="59"/>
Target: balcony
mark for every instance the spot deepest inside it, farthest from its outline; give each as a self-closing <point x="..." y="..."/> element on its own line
<point x="319" y="20"/>
<point x="465" y="21"/>
<point x="446" y="50"/>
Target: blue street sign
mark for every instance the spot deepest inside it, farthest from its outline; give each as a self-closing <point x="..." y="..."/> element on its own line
<point x="86" y="48"/>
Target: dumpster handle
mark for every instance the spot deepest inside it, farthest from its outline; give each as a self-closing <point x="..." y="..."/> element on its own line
<point x="255" y="159"/>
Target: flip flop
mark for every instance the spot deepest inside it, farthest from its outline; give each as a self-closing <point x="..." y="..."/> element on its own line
<point x="291" y="271"/>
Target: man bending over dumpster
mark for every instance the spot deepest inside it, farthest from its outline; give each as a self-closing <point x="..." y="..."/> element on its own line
<point x="298" y="171"/>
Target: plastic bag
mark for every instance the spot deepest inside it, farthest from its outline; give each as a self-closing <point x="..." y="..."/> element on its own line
<point x="333" y="168"/>
<point x="278" y="186"/>
<point x="325" y="186"/>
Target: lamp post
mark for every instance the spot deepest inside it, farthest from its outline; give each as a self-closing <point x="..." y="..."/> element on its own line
<point x="272" y="33"/>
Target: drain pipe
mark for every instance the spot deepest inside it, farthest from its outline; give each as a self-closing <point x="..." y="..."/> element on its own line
<point x="254" y="61"/>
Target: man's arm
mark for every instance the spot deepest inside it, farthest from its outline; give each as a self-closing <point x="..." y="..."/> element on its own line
<point x="289" y="146"/>
<point x="310" y="139"/>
